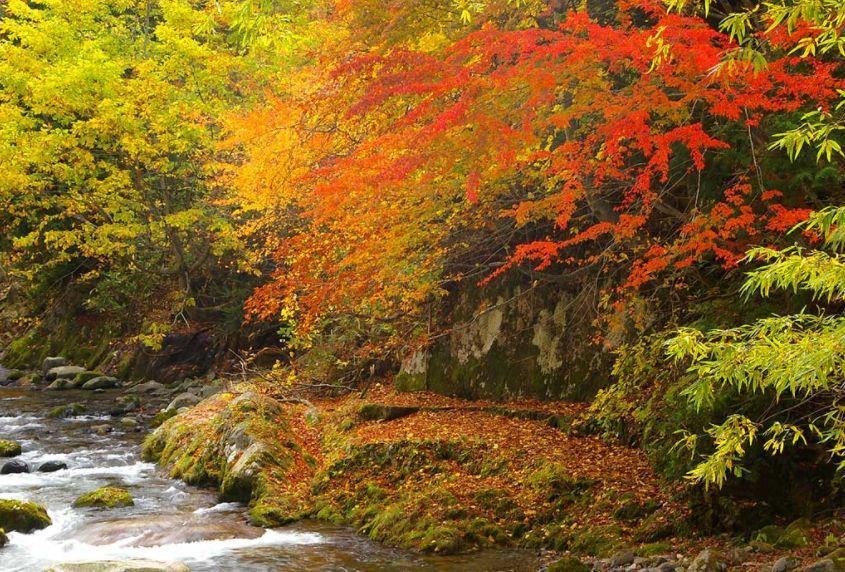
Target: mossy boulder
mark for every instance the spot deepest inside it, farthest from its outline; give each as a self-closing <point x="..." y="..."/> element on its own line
<point x="246" y="446"/>
<point x="4" y="540"/>
<point x="69" y="410"/>
<point x="796" y="535"/>
<point x="84" y="377"/>
<point x="9" y="448"/>
<point x="101" y="382"/>
<point x="22" y="516"/>
<point x="105" y="497"/>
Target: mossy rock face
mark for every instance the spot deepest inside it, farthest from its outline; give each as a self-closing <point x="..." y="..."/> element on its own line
<point x="796" y="535"/>
<point x="105" y="497"/>
<point x="22" y="516"/>
<point x="69" y="410"/>
<point x="569" y="564"/>
<point x="4" y="540"/>
<point x="9" y="449"/>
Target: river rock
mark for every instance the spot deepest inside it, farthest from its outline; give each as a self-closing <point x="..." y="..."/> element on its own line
<point x="60" y="384"/>
<point x="51" y="362"/>
<point x="102" y="429"/>
<point x="183" y="400"/>
<point x="129" y="423"/>
<point x="121" y="566"/>
<point x="64" y="411"/>
<point x="64" y="372"/>
<point x="102" y="382"/>
<point x="708" y="561"/>
<point x="147" y="387"/>
<point x="14" y="466"/>
<point x="622" y="558"/>
<point x="125" y="404"/>
<point x="22" y="516"/>
<point x="52" y="466"/>
<point x="105" y="497"/>
<point x="786" y="564"/>
<point x="9" y="449"/>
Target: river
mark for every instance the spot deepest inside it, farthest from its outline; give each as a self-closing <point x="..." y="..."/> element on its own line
<point x="170" y="521"/>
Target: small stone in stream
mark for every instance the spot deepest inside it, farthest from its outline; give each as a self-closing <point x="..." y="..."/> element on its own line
<point x="14" y="466"/>
<point x="85" y="376"/>
<point x="622" y="558"/>
<point x="51" y="362"/>
<point x="129" y="423"/>
<point x="105" y="497"/>
<point x="22" y="516"/>
<point x="120" y="566"/>
<point x="183" y="400"/>
<point x="9" y="449"/>
<point x="64" y="411"/>
<point x="52" y="466"/>
<point x="102" y="382"/>
<point x="64" y="372"/>
<point x="102" y="429"/>
<point x="125" y="404"/>
<point x="786" y="564"/>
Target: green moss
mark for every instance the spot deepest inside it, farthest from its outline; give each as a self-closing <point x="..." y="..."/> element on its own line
<point x="105" y="497"/>
<point x="270" y="512"/>
<point x="22" y="516"/>
<point x="654" y="548"/>
<point x="4" y="540"/>
<point x="9" y="449"/>
<point x="569" y="564"/>
<point x="69" y="410"/>
<point x="633" y="510"/>
<point x="161" y="417"/>
<point x="596" y="541"/>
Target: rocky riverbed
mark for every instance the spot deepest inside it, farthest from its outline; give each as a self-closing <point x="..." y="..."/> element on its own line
<point x="169" y="521"/>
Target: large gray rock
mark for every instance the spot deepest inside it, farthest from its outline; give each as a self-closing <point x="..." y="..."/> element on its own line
<point x="147" y="387"/>
<point x="64" y="372"/>
<point x="120" y="566"/>
<point x="622" y="558"/>
<point x="51" y="362"/>
<point x="183" y="400"/>
<point x="102" y="382"/>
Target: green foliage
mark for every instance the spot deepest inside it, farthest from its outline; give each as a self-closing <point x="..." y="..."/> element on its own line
<point x="795" y="362"/>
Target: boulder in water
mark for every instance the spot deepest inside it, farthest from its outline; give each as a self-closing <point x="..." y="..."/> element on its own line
<point x="102" y="382"/>
<point x="60" y="384"/>
<point x="14" y="466"/>
<point x="105" y="497"/>
<point x="64" y="372"/>
<point x="120" y="566"/>
<point x="9" y="449"/>
<point x="52" y="466"/>
<point x="69" y="410"/>
<point x="22" y="516"/>
<point x="51" y="362"/>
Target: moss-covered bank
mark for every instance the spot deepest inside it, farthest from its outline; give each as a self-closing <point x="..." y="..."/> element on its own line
<point x="420" y="480"/>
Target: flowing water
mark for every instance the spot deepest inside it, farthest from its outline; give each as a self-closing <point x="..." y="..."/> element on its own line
<point x="170" y="521"/>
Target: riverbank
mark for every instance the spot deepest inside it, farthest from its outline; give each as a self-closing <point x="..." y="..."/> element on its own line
<point x="442" y="475"/>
